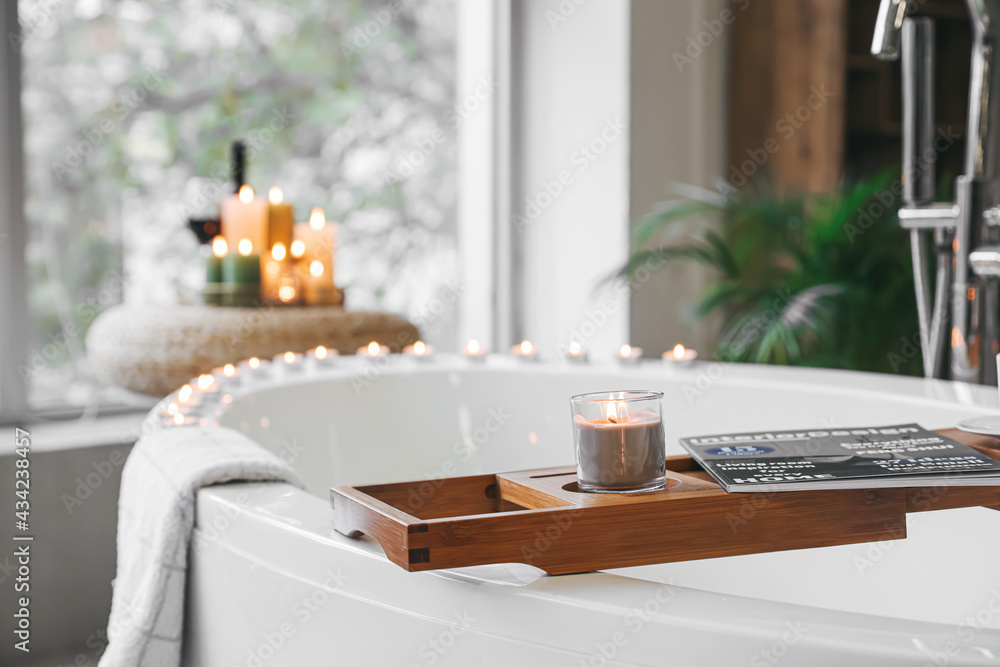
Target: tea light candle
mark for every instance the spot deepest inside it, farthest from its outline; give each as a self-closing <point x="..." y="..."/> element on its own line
<point x="252" y="367"/>
<point x="628" y="354"/>
<point x="419" y="350"/>
<point x="245" y="217"/>
<point x="525" y="351"/>
<point x="226" y="375"/>
<point x="279" y="219"/>
<point x="373" y="349"/>
<point x="474" y="351"/>
<point x="680" y="356"/>
<point x="206" y="383"/>
<point x="321" y="356"/>
<point x="575" y="353"/>
<point x="620" y="444"/>
<point x="289" y="362"/>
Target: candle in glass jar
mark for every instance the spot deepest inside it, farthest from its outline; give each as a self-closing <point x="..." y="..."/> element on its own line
<point x="242" y="267"/>
<point x="619" y="439"/>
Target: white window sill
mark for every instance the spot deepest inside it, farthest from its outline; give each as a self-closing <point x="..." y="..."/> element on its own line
<point x="55" y="436"/>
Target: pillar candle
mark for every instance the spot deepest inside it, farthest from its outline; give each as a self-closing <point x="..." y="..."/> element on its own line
<point x="314" y="246"/>
<point x="244" y="216"/>
<point x="279" y="220"/>
<point x="213" y="271"/>
<point x="213" y="263"/>
<point x="243" y="267"/>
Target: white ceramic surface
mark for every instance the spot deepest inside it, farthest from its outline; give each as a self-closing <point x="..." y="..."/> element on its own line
<point x="273" y="584"/>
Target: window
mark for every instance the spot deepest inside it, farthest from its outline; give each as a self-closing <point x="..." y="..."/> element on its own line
<point x="129" y="109"/>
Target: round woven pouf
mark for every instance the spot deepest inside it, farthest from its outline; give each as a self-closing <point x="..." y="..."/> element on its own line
<point x="154" y="350"/>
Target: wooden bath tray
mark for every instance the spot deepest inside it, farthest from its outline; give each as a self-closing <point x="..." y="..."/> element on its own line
<point x="537" y="517"/>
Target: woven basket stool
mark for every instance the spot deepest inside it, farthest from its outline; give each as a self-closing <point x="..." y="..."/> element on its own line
<point x="154" y="350"/>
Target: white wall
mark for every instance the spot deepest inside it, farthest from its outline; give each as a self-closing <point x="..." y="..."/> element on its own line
<point x="569" y="169"/>
<point x="678" y="137"/>
<point x="602" y="73"/>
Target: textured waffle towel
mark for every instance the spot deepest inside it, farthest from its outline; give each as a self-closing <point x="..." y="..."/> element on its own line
<point x="160" y="482"/>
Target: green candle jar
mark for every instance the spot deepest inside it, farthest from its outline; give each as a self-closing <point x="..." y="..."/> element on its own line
<point x="242" y="268"/>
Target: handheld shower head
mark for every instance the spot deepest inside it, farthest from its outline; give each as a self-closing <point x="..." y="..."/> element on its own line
<point x="885" y="41"/>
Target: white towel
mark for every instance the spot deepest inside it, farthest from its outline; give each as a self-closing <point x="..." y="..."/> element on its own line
<point x="155" y="519"/>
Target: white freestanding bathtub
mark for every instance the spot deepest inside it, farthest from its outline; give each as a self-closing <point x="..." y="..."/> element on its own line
<point x="272" y="583"/>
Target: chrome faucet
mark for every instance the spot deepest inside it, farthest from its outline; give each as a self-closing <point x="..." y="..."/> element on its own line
<point x="966" y="232"/>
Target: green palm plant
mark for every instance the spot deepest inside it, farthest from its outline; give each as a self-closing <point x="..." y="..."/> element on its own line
<point x="810" y="280"/>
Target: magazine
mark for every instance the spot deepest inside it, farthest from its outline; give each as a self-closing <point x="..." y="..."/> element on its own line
<point x="904" y="455"/>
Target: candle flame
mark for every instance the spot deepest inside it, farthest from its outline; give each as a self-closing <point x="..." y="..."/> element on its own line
<point x="320" y="352"/>
<point x="246" y="247"/>
<point x="172" y="409"/>
<point x="184" y="393"/>
<point x="275" y="195"/>
<point x="625" y="351"/>
<point x="316" y="268"/>
<point x="246" y="194"/>
<point x="373" y="348"/>
<point x="286" y="293"/>
<point x="317" y="218"/>
<point x="526" y="347"/>
<point x="178" y="419"/>
<point x="289" y="357"/>
<point x="229" y="370"/>
<point x="473" y="346"/>
<point x="419" y="348"/>
<point x="253" y="363"/>
<point x="679" y="351"/>
<point x="616" y="412"/>
<point x="575" y="348"/>
<point x="219" y="247"/>
<point x="298" y="249"/>
<point x="205" y="381"/>
<point x="278" y="251"/>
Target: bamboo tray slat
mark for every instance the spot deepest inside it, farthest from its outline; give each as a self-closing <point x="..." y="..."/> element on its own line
<point x="539" y="518"/>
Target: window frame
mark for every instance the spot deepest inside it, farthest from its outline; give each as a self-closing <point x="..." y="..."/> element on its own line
<point x="13" y="297"/>
<point x="484" y="241"/>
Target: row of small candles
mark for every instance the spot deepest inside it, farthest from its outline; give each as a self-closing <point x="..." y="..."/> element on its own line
<point x="322" y="356"/>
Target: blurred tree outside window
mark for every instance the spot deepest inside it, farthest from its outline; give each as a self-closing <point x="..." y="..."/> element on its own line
<point x="130" y="107"/>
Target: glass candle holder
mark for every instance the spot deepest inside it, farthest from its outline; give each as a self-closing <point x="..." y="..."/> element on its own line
<point x="620" y="446"/>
